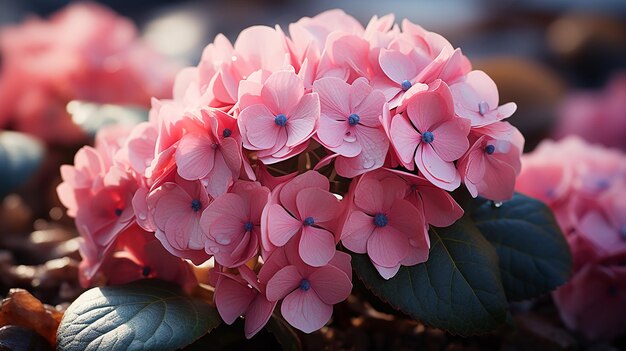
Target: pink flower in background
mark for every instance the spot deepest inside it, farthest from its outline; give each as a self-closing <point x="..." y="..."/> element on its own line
<point x="140" y="255"/>
<point x="384" y="225"/>
<point x="307" y="293"/>
<point x="598" y="116"/>
<point x="243" y="295"/>
<point x="307" y="211"/>
<point x="84" y="52"/>
<point x="177" y="208"/>
<point x="430" y="136"/>
<point x="281" y="126"/>
<point x="211" y="151"/>
<point x="492" y="163"/>
<point x="476" y="98"/>
<point x="584" y="185"/>
<point x="232" y="224"/>
<point x="350" y="125"/>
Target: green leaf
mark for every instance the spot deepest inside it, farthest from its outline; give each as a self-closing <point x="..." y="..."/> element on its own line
<point x="534" y="256"/>
<point x="21" y="156"/>
<point x="143" y="315"/>
<point x="284" y="334"/>
<point x="458" y="289"/>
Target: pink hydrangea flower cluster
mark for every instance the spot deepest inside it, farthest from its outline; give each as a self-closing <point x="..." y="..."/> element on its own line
<point x="84" y="52"/>
<point x="584" y="185"/>
<point x="277" y="147"/>
<point x="598" y="117"/>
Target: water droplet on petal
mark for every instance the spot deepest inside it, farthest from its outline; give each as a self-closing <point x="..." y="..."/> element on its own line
<point x="204" y="182"/>
<point x="368" y="162"/>
<point x="214" y="249"/>
<point x="497" y="204"/>
<point x="142" y="216"/>
<point x="483" y="108"/>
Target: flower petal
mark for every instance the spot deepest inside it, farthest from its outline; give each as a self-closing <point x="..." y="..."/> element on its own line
<point x="331" y="284"/>
<point x="317" y="246"/>
<point x="281" y="225"/>
<point x="305" y="311"/>
<point x="283" y="282"/>
<point x="387" y="246"/>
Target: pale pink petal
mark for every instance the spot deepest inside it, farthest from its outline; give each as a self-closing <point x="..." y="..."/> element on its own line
<point x="281" y="225"/>
<point x="397" y="66"/>
<point x="437" y="171"/>
<point x="440" y="209"/>
<point x="371" y="108"/>
<point x="498" y="180"/>
<point x="356" y="231"/>
<point x="303" y="119"/>
<point x="332" y="93"/>
<point x="387" y="246"/>
<point x="450" y="139"/>
<point x="317" y="246"/>
<point x="309" y="179"/>
<point x="305" y="311"/>
<point x="257" y="315"/>
<point x="283" y="282"/>
<point x="375" y="145"/>
<point x="385" y="272"/>
<point x="405" y="139"/>
<point x="429" y="108"/>
<point x="342" y="260"/>
<point x="262" y="130"/>
<point x="331" y="284"/>
<point x="317" y="203"/>
<point x="232" y="299"/>
<point x="331" y="132"/>
<point x="195" y="155"/>
<point x="405" y="218"/>
<point x="282" y="91"/>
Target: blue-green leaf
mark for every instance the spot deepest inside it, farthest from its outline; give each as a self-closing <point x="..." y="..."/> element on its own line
<point x="458" y="289"/>
<point x="534" y="256"/>
<point x="144" y="315"/>
<point x="20" y="157"/>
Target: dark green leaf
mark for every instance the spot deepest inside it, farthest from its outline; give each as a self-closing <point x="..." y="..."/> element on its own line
<point x="534" y="256"/>
<point x="457" y="289"/>
<point x="20" y="158"/>
<point x="284" y="334"/>
<point x="144" y="315"/>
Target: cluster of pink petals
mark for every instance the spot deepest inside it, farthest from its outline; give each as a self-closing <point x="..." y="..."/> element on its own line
<point x="393" y="109"/>
<point x="584" y="185"/>
<point x="597" y="117"/>
<point x="84" y="52"/>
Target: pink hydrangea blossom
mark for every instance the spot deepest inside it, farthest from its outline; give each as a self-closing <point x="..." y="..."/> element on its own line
<point x="307" y="293"/>
<point x="232" y="224"/>
<point x="283" y="123"/>
<point x="430" y="136"/>
<point x="584" y="186"/>
<point x="350" y="125"/>
<point x="243" y="295"/>
<point x="384" y="225"/>
<point x="177" y="208"/>
<point x="306" y="211"/>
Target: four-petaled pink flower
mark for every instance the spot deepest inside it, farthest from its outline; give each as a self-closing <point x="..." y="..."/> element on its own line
<point x="431" y="136"/>
<point x="280" y="126"/>
<point x="211" y="151"/>
<point x="232" y="224"/>
<point x="308" y="293"/>
<point x="243" y="295"/>
<point x="350" y="125"/>
<point x="176" y="208"/>
<point x="306" y="211"/>
<point x="384" y="225"/>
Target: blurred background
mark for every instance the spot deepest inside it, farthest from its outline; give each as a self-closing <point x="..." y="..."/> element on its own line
<point x="562" y="61"/>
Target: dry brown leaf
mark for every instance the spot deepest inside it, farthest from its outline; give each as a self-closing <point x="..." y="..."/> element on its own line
<point x="23" y="309"/>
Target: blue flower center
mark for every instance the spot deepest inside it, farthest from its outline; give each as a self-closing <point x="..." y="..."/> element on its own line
<point x="227" y="132"/>
<point x="428" y="137"/>
<point x="406" y="85"/>
<point x="305" y="285"/>
<point x="309" y="221"/>
<point x="281" y="120"/>
<point x="490" y="149"/>
<point x="483" y="108"/>
<point x="118" y="212"/>
<point x="145" y="271"/>
<point x="248" y="226"/>
<point x="353" y="119"/>
<point x="380" y="220"/>
<point x="196" y="205"/>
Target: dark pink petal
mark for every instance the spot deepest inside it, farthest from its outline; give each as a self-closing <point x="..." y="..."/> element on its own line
<point x="281" y="225"/>
<point x="369" y="196"/>
<point x="331" y="284"/>
<point x="305" y="311"/>
<point x="232" y="299"/>
<point x="283" y="282"/>
<point x="317" y="203"/>
<point x="317" y="246"/>
<point x="356" y="231"/>
<point x="387" y="246"/>
<point x="257" y="315"/>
